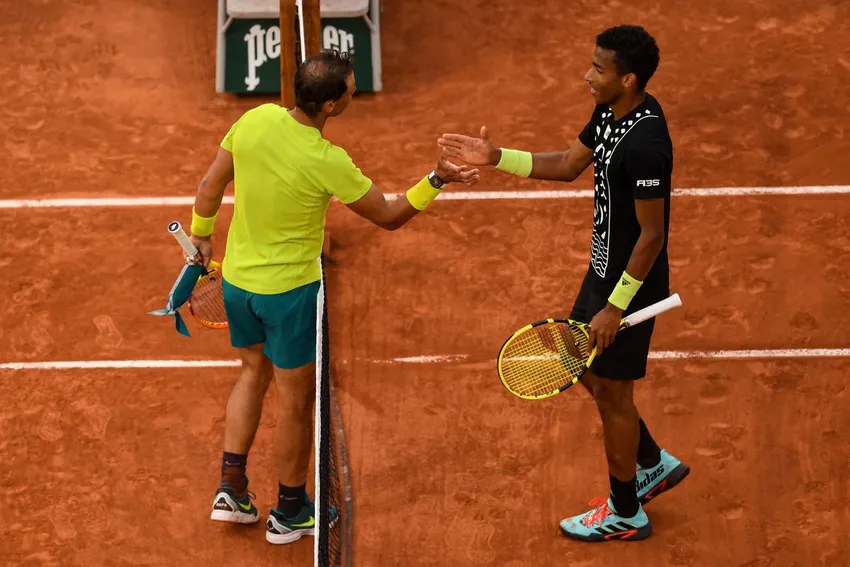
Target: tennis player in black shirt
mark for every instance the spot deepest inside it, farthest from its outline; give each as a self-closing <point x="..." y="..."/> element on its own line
<point x="629" y="145"/>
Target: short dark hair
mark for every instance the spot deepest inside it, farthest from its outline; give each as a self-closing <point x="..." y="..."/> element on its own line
<point x="321" y="78"/>
<point x="635" y="49"/>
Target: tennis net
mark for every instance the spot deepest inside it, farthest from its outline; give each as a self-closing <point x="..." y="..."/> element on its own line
<point x="333" y="489"/>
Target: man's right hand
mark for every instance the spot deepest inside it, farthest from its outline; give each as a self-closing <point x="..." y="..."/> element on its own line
<point x="474" y="151"/>
<point x="451" y="173"/>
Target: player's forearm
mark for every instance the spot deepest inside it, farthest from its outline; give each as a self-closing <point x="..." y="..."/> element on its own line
<point x="552" y="166"/>
<point x="643" y="256"/>
<point x="645" y="252"/>
<point x="415" y="199"/>
<point x="209" y="196"/>
<point x="211" y="189"/>
<point x="396" y="213"/>
<point x="205" y="209"/>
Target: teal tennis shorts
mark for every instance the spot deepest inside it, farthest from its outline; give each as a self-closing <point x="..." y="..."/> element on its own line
<point x="285" y="322"/>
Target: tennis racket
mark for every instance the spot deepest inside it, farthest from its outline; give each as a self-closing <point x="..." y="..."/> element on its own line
<point x="206" y="303"/>
<point x="545" y="358"/>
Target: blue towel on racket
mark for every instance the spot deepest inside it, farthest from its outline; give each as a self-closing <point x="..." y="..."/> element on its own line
<point x="180" y="292"/>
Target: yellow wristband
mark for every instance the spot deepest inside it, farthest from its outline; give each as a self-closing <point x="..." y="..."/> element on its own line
<point x="202" y="226"/>
<point x="516" y="162"/>
<point x="624" y="291"/>
<point x="420" y="195"/>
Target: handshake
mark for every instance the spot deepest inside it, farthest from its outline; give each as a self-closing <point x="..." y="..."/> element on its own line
<point x="471" y="151"/>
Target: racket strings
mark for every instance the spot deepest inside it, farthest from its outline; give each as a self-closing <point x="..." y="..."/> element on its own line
<point x="543" y="359"/>
<point x="207" y="301"/>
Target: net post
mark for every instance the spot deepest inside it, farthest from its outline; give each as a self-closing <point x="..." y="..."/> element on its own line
<point x="288" y="60"/>
<point x="312" y="26"/>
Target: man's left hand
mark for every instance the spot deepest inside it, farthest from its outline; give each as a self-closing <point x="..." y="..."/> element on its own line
<point x="603" y="328"/>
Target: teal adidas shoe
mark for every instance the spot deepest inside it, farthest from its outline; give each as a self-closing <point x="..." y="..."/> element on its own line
<point x="603" y="524"/>
<point x="656" y="480"/>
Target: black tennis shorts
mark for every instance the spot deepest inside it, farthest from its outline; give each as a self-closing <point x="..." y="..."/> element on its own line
<point x="626" y="358"/>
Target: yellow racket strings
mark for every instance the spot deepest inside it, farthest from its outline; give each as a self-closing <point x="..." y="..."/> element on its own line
<point x="538" y="361"/>
<point x="207" y="299"/>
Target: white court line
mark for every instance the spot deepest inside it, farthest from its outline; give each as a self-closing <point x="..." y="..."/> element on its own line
<point x="434" y="359"/>
<point x="132" y="364"/>
<point x="102" y="202"/>
<point x="778" y="353"/>
<point x="448" y="195"/>
<point x="693" y="192"/>
<point x="425" y="359"/>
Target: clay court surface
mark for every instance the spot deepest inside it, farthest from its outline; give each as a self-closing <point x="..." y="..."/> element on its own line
<point x="118" y="466"/>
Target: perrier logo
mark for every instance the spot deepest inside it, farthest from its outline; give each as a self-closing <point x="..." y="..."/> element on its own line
<point x="335" y="38"/>
<point x="262" y="46"/>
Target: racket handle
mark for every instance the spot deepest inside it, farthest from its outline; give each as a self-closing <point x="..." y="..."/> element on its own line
<point x="176" y="230"/>
<point x="642" y="315"/>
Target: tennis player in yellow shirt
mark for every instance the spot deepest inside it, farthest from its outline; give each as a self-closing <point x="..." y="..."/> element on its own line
<point x="284" y="173"/>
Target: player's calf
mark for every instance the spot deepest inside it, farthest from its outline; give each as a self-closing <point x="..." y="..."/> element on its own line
<point x="620" y="427"/>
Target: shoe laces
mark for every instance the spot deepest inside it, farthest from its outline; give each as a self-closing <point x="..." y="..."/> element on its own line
<point x="600" y="512"/>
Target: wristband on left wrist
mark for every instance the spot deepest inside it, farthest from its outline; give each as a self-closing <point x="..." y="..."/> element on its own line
<point x="624" y="291"/>
<point x="202" y="226"/>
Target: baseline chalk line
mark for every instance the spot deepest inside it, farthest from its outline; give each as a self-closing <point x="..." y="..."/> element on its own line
<point x="448" y="195"/>
<point x="430" y="359"/>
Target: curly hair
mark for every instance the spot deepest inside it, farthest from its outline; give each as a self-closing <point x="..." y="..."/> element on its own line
<point x="636" y="51"/>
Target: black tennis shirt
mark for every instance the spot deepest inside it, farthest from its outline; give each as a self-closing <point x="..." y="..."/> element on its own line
<point x="632" y="159"/>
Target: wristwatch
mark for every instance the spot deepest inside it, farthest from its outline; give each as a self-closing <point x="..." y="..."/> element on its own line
<point x="435" y="180"/>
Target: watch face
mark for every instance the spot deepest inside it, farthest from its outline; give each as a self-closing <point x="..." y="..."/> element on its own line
<point x="436" y="182"/>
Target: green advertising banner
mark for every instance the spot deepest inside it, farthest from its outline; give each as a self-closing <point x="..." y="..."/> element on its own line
<point x="252" y="62"/>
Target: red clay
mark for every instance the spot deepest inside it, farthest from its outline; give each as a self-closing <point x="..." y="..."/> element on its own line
<point x="117" y="467"/>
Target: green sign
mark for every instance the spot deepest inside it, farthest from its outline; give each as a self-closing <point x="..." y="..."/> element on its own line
<point x="252" y="63"/>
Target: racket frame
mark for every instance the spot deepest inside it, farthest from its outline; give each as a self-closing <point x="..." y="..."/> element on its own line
<point x="573" y="381"/>
<point x="630" y="320"/>
<point x="175" y="229"/>
<point x="214" y="271"/>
